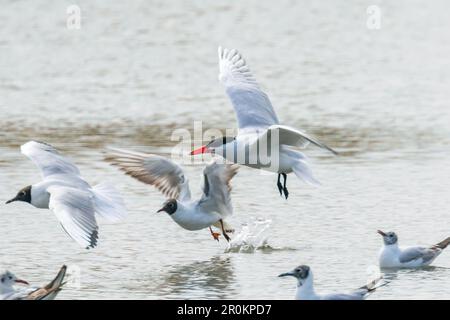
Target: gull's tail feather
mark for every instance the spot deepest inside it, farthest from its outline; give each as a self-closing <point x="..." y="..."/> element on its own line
<point x="108" y="203"/>
<point x="303" y="172"/>
<point x="443" y="244"/>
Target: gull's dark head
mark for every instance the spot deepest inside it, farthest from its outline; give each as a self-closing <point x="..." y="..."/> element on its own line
<point x="170" y="206"/>
<point x="23" y="195"/>
<point x="388" y="237"/>
<point x="302" y="273"/>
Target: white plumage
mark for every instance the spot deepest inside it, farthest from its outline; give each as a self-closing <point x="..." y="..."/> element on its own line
<point x="261" y="142"/>
<point x="48" y="292"/>
<point x="394" y="256"/>
<point x="69" y="196"/>
<point x="210" y="210"/>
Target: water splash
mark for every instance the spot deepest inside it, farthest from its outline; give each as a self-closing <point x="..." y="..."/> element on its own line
<point x="252" y="237"/>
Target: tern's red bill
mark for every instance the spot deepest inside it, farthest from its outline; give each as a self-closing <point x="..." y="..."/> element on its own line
<point x="201" y="150"/>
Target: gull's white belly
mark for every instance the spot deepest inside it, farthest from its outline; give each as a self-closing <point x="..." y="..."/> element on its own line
<point x="195" y="220"/>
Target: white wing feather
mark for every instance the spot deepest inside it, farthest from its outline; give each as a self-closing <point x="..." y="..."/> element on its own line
<point x="291" y="137"/>
<point x="48" y="159"/>
<point x="252" y="106"/>
<point x="75" y="211"/>
<point x="216" y="189"/>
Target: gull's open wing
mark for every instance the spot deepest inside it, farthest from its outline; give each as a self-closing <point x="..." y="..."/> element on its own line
<point x="167" y="176"/>
<point x="75" y="211"/>
<point x="216" y="188"/>
<point x="48" y="159"/>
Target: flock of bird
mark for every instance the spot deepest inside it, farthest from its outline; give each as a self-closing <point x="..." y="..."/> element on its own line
<point x="77" y="204"/>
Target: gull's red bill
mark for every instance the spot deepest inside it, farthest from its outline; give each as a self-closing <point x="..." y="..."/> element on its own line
<point x="22" y="281"/>
<point x="201" y="150"/>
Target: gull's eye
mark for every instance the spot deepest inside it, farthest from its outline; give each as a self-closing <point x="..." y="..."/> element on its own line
<point x="10" y="278"/>
<point x="23" y="193"/>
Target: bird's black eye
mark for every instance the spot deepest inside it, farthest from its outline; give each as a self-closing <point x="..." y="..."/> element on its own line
<point x="10" y="278"/>
<point x="23" y="193"/>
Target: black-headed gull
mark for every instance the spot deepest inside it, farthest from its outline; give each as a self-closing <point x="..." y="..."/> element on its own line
<point x="48" y="292"/>
<point x="261" y="142"/>
<point x="68" y="195"/>
<point x="305" y="287"/>
<point x="168" y="177"/>
<point x="393" y="256"/>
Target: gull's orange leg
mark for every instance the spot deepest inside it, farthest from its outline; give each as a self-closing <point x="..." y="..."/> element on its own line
<point x="214" y="234"/>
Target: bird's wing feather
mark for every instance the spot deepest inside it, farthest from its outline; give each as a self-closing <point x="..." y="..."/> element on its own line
<point x="216" y="188"/>
<point x="167" y="176"/>
<point x="280" y="134"/>
<point x="75" y="211"/>
<point x="252" y="106"/>
<point x="50" y="291"/>
<point x="48" y="159"/>
<point x="414" y="253"/>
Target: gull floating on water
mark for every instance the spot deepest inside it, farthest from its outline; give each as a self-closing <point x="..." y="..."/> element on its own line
<point x="49" y="292"/>
<point x="68" y="195"/>
<point x="258" y="125"/>
<point x="168" y="177"/>
<point x="393" y="256"/>
<point x="305" y="287"/>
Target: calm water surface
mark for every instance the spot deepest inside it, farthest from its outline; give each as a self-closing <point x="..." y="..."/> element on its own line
<point x="136" y="71"/>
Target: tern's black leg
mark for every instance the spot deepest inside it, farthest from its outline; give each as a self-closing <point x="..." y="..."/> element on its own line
<point x="279" y="185"/>
<point x="285" y="190"/>
<point x="224" y="232"/>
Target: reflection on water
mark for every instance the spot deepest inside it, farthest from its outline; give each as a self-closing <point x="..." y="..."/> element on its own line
<point x="214" y="277"/>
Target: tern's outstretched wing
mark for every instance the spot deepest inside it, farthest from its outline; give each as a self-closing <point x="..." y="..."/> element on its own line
<point x="75" y="211"/>
<point x="167" y="176"/>
<point x="252" y="106"/>
<point x="48" y="159"/>
<point x="291" y="137"/>
<point x="216" y="189"/>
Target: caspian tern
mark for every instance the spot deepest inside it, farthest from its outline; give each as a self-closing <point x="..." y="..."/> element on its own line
<point x="168" y="177"/>
<point x="49" y="292"/>
<point x="305" y="287"/>
<point x="262" y="142"/>
<point x="68" y="195"/>
<point x="393" y="256"/>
